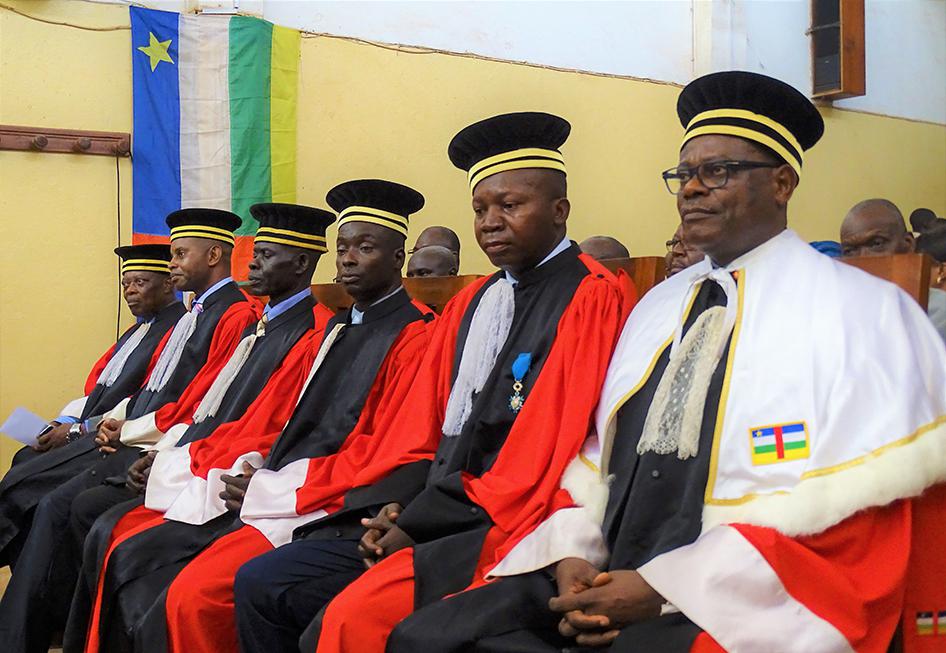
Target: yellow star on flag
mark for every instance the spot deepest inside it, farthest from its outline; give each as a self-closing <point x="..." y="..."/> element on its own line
<point x="156" y="50"/>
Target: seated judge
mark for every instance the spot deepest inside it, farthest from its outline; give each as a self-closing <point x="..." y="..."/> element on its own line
<point x="875" y="227"/>
<point x="601" y="248"/>
<point x="432" y="261"/>
<point x="149" y="294"/>
<point x="507" y="388"/>
<point x="737" y="509"/>
<point x="329" y="463"/>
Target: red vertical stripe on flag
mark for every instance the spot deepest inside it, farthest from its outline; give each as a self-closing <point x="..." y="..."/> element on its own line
<point x="779" y="443"/>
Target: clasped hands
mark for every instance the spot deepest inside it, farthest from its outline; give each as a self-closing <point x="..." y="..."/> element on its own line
<point x="596" y="604"/>
<point x="382" y="536"/>
<point x="108" y="435"/>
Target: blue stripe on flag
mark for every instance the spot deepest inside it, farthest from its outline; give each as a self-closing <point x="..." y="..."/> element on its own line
<point x="797" y="427"/>
<point x="156" y="163"/>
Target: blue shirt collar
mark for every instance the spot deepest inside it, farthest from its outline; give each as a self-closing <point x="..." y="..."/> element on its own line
<point x="272" y="312"/>
<point x="558" y="249"/>
<point x="358" y="316"/>
<point x="214" y="288"/>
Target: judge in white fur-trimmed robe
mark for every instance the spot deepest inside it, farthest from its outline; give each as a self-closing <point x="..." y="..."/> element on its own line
<point x="768" y="415"/>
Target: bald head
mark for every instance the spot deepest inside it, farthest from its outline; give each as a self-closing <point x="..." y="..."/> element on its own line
<point x="432" y="261"/>
<point x="603" y="247"/>
<point x="440" y="236"/>
<point x="875" y="227"/>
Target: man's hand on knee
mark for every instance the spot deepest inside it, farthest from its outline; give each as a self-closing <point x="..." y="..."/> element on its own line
<point x="375" y="542"/>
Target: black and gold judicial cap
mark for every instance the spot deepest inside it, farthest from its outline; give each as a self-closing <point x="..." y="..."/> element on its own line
<point x="751" y="106"/>
<point x="292" y="224"/>
<point x="145" y="258"/>
<point x="214" y="224"/>
<point x="511" y="141"/>
<point x="381" y="202"/>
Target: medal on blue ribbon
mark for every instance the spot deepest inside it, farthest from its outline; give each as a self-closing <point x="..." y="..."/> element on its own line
<point x="520" y="367"/>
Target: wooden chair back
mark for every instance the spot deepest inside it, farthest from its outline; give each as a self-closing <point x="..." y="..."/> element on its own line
<point x="645" y="271"/>
<point x="434" y="292"/>
<point x="909" y="271"/>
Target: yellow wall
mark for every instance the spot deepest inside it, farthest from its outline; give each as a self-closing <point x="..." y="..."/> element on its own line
<point x="364" y="111"/>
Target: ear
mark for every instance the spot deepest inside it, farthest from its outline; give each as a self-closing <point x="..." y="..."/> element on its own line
<point x="302" y="262"/>
<point x="562" y="209"/>
<point x="784" y="180"/>
<point x="167" y="286"/>
<point x="214" y="255"/>
<point x="399" y="257"/>
<point x="454" y="271"/>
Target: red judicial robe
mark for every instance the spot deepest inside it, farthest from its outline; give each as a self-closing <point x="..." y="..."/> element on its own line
<point x="924" y="606"/>
<point x="367" y="367"/>
<point x="493" y="483"/>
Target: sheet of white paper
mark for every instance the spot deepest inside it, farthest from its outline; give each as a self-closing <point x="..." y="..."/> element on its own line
<point x="23" y="426"/>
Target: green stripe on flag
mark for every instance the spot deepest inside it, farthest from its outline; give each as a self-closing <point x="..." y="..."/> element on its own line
<point x="769" y="448"/>
<point x="250" y="164"/>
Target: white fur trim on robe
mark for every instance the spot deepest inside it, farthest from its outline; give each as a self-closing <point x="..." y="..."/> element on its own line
<point x="199" y="501"/>
<point x="74" y="408"/>
<point x="141" y="431"/>
<point x="270" y="502"/>
<point x="726" y="587"/>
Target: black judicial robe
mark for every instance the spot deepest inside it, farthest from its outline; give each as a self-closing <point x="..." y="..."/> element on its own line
<point x="332" y="406"/>
<point x="501" y="474"/>
<point x="24" y="484"/>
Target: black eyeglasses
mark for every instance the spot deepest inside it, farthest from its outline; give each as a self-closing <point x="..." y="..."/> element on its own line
<point x="712" y="174"/>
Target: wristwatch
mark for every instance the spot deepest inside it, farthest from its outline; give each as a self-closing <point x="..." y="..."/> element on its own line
<point x="75" y="432"/>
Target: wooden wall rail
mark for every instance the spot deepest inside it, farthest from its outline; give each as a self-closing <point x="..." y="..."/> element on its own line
<point x="65" y="141"/>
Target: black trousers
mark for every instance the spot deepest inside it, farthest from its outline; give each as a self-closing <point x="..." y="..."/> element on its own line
<point x="279" y="593"/>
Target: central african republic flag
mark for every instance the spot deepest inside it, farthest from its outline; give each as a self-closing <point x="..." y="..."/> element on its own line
<point x="215" y="102"/>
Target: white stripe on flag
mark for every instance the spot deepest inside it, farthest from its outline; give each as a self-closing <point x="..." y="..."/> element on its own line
<point x="204" y="53"/>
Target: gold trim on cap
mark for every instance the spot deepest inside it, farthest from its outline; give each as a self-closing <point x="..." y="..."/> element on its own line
<point x="293" y="238"/>
<point x="527" y="157"/>
<point x="202" y="231"/>
<point x="381" y="217"/>
<point x="794" y="159"/>
<point x="145" y="265"/>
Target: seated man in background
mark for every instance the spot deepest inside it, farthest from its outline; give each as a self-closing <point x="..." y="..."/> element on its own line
<point x="432" y="261"/>
<point x="601" y="248"/>
<point x="438" y="235"/>
<point x="735" y="509"/>
<point x="335" y="439"/>
<point x="508" y="388"/>
<point x="119" y="373"/>
<point x="680" y="255"/>
<point x="875" y="227"/>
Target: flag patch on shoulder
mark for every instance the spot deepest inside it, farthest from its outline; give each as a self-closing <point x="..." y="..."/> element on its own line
<point x="778" y="443"/>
